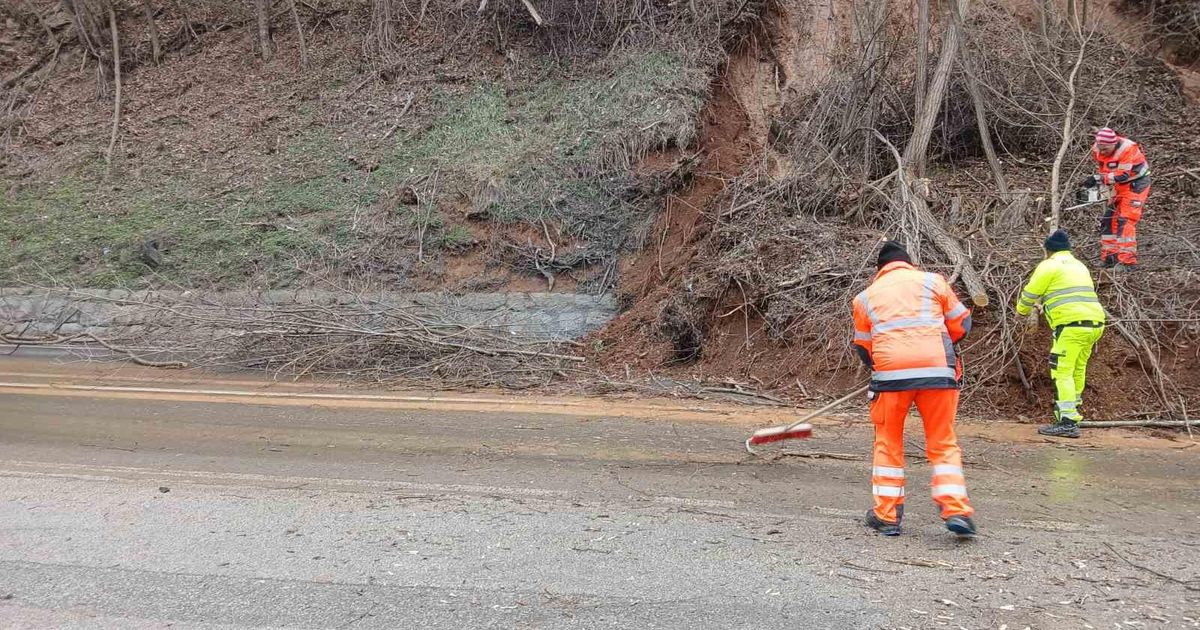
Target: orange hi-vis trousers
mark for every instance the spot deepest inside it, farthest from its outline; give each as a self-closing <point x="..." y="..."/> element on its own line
<point x="938" y="408"/>
<point x="1118" y="226"/>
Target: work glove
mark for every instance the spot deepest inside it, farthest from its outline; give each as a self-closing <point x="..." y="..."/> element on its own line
<point x="1031" y="322"/>
<point x="1090" y="182"/>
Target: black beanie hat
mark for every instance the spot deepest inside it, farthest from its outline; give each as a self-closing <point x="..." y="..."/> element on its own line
<point x="1057" y="242"/>
<point x="892" y="252"/>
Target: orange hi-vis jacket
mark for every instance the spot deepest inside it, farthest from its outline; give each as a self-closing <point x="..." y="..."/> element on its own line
<point x="905" y="327"/>
<point x="1126" y="164"/>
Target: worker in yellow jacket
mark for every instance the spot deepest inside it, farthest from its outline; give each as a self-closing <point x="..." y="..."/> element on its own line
<point x="1063" y="288"/>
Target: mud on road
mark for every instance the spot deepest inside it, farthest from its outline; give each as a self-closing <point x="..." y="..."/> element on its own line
<point x="134" y="498"/>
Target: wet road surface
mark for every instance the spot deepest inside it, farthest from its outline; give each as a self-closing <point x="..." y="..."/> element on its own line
<point x="141" y="499"/>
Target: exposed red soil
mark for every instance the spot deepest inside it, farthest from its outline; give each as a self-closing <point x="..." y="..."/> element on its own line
<point x="478" y="265"/>
<point x="649" y="278"/>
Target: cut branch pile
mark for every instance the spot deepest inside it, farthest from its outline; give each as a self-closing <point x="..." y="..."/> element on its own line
<point x="793" y="243"/>
<point x="353" y="336"/>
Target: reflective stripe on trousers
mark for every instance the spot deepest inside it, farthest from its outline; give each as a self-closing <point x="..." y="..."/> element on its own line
<point x="938" y="408"/>
<point x="1069" y="356"/>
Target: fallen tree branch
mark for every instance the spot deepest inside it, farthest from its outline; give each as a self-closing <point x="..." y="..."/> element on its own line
<point x="137" y="359"/>
<point x="1114" y="424"/>
<point x="850" y="457"/>
<point x="87" y="336"/>
<point x="1188" y="584"/>
<point x="772" y="400"/>
<point x="932" y="228"/>
<point x="347" y="335"/>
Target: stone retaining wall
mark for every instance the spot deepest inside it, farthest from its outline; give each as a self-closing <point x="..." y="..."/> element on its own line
<point x="118" y="313"/>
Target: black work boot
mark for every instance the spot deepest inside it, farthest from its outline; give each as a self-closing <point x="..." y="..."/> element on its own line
<point x="961" y="525"/>
<point x="880" y="525"/>
<point x="1062" y="428"/>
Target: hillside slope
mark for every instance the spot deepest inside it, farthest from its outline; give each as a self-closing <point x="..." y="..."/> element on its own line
<point x="725" y="167"/>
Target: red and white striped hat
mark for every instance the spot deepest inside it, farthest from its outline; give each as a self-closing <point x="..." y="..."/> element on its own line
<point x="1106" y="136"/>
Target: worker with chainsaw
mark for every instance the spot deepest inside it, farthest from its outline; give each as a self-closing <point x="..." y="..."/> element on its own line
<point x="1121" y="165"/>
<point x="1061" y="287"/>
<point x="906" y="325"/>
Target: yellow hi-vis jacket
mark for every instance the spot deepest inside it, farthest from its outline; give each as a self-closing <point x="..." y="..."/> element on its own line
<point x="1064" y="287"/>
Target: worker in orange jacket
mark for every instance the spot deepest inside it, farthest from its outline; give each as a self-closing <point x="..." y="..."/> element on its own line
<point x="905" y="327"/>
<point x="1122" y="165"/>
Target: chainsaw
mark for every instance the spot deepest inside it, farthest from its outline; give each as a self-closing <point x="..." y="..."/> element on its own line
<point x="1085" y="197"/>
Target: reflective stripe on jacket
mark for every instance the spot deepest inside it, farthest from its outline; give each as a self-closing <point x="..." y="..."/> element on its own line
<point x="1064" y="287"/>
<point x="906" y="324"/>
<point x="1126" y="164"/>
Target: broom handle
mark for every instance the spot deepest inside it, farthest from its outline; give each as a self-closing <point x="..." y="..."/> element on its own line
<point x="857" y="392"/>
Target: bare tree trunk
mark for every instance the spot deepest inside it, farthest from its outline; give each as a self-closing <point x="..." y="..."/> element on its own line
<point x="985" y="136"/>
<point x="1067" y="135"/>
<point x="300" y="34"/>
<point x="918" y="144"/>
<point x="1046" y="16"/>
<point x="262" y="11"/>
<point x="155" y="41"/>
<point x="382" y="28"/>
<point x="869" y="40"/>
<point x="922" y="63"/>
<point x="116" y="55"/>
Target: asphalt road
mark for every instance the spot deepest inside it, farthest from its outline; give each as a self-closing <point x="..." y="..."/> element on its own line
<point x="139" y="499"/>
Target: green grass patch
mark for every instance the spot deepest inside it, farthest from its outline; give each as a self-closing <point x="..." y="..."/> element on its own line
<point x="560" y="148"/>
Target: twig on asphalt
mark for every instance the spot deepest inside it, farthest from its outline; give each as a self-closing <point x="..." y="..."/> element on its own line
<point x="922" y="562"/>
<point x="822" y="455"/>
<point x="617" y="477"/>
<point x="1188" y="584"/>
<point x="851" y="565"/>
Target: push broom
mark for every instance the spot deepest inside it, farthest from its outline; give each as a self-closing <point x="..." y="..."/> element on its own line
<point x="800" y="429"/>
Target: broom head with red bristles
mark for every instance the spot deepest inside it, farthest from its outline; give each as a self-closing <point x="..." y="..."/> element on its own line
<point x="801" y="431"/>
